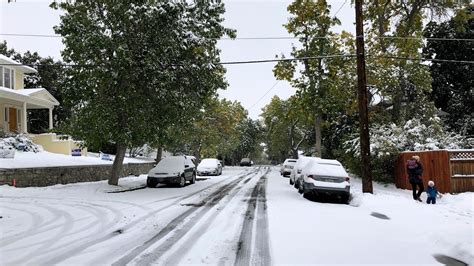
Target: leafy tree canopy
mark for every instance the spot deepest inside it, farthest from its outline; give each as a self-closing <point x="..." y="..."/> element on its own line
<point x="139" y="67"/>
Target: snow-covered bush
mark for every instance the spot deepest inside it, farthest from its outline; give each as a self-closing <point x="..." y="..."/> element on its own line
<point x="387" y="141"/>
<point x="20" y="141"/>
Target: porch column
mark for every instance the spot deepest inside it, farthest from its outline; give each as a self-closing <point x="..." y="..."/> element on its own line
<point x="24" y="121"/>
<point x="51" y="117"/>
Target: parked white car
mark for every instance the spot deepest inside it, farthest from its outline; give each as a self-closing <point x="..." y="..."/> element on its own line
<point x="298" y="167"/>
<point x="287" y="166"/>
<point x="173" y="170"/>
<point x="209" y="166"/>
<point x="325" y="177"/>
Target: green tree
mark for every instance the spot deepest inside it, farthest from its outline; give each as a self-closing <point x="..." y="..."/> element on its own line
<point x="287" y="128"/>
<point x="402" y="82"/>
<point x="310" y="23"/>
<point x="453" y="82"/>
<point x="138" y="67"/>
<point x="213" y="132"/>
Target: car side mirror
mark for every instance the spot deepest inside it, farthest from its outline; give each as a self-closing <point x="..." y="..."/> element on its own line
<point x="186" y="166"/>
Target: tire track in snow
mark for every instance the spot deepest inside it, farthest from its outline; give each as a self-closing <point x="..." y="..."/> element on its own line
<point x="175" y="258"/>
<point x="250" y="252"/>
<point x="78" y="247"/>
<point x="67" y="225"/>
<point x="178" y="226"/>
<point x="97" y="213"/>
<point x="35" y="219"/>
<point x="37" y="222"/>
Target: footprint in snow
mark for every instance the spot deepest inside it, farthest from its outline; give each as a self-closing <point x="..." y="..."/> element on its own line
<point x="447" y="260"/>
<point x="380" y="216"/>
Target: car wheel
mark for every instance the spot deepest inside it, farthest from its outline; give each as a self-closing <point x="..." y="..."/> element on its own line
<point x="193" y="179"/>
<point x="300" y="189"/>
<point x="345" y="198"/>
<point x="296" y="185"/>
<point x="291" y="181"/>
<point x="151" y="182"/>
<point x="182" y="181"/>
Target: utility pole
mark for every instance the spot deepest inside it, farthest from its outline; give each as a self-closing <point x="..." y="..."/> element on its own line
<point x="362" y="101"/>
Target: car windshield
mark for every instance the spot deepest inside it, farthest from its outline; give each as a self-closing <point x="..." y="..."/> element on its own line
<point x="208" y="163"/>
<point x="170" y="165"/>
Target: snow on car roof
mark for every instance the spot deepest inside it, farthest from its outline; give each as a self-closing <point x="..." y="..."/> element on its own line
<point x="170" y="164"/>
<point x="208" y="162"/>
<point x="325" y="168"/>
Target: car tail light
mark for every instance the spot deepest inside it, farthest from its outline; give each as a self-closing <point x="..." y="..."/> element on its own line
<point x="348" y="179"/>
<point x="312" y="177"/>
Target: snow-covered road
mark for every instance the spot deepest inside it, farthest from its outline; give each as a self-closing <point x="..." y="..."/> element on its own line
<point x="247" y="216"/>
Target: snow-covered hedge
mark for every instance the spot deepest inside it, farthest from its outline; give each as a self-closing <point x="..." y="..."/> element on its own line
<point x="20" y="141"/>
<point x="387" y="141"/>
<point x="413" y="136"/>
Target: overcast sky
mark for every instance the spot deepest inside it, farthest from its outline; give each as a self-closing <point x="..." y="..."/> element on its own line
<point x="249" y="84"/>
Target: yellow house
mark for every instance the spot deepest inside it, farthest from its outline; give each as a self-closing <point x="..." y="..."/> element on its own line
<point x="15" y="100"/>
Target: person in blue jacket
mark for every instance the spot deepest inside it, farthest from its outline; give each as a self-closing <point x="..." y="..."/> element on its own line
<point x="432" y="193"/>
<point x="415" y="172"/>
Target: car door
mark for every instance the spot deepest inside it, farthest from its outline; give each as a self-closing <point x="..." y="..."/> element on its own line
<point x="188" y="168"/>
<point x="219" y="168"/>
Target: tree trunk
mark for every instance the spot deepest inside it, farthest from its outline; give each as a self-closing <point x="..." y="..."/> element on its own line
<point x="397" y="99"/>
<point x="159" y="153"/>
<point x="295" y="153"/>
<point x="317" y="130"/>
<point x="117" y="167"/>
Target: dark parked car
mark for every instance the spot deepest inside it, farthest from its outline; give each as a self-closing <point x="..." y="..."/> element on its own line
<point x="173" y="170"/>
<point x="245" y="162"/>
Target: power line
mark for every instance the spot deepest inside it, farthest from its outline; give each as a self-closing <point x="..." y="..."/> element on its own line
<point x="267" y="37"/>
<point x="287" y="59"/>
<point x="423" y="59"/>
<point x="218" y="63"/>
<point x="30" y="35"/>
<point x="343" y="4"/>
<point x="267" y="92"/>
<point x="273" y="60"/>
<point x="425" y="38"/>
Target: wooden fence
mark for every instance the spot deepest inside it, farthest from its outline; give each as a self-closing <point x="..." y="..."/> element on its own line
<point x="451" y="170"/>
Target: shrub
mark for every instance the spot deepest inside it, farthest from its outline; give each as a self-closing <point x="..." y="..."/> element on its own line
<point x="387" y="141"/>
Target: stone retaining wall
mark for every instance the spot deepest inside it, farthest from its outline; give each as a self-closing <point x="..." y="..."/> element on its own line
<point x="47" y="176"/>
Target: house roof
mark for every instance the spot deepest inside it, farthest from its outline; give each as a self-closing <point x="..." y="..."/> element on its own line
<point x="35" y="98"/>
<point x="12" y="63"/>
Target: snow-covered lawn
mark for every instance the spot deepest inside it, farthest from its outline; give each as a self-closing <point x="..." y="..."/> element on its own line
<point x="48" y="159"/>
<point x="305" y="232"/>
<point x="202" y="224"/>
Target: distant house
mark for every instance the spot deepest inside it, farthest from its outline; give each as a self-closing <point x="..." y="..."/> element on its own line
<point x="15" y="101"/>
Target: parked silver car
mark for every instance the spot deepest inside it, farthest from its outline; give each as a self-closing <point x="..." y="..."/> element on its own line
<point x="286" y="167"/>
<point x="173" y="170"/>
<point x="325" y="177"/>
<point x="209" y="166"/>
<point x="298" y="167"/>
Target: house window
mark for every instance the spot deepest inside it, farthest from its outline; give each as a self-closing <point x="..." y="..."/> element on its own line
<point x="8" y="78"/>
<point x="1" y="76"/>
